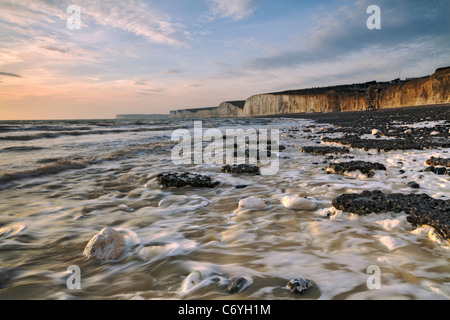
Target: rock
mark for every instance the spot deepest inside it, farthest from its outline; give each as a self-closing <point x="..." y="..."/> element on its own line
<point x="420" y="208"/>
<point x="105" y="245"/>
<point x="408" y="132"/>
<point x="252" y="203"/>
<point x="365" y="167"/>
<point x="180" y="180"/>
<point x="440" y="170"/>
<point x="190" y="282"/>
<point x="324" y="150"/>
<point x="438" y="162"/>
<point x="299" y="285"/>
<point x="298" y="203"/>
<point x="376" y="132"/>
<point x="435" y="133"/>
<point x="438" y="218"/>
<point x="241" y="168"/>
<point x="387" y="145"/>
<point x="413" y="185"/>
<point x="236" y="285"/>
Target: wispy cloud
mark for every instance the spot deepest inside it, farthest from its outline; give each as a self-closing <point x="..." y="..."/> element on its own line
<point x="230" y="9"/>
<point x="134" y="16"/>
<point x="171" y="71"/>
<point x="7" y="74"/>
<point x="411" y="32"/>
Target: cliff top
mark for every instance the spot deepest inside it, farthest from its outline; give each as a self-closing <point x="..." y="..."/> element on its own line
<point x="353" y="87"/>
<point x="238" y="103"/>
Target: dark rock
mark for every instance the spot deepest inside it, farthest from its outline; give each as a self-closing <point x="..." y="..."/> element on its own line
<point x="440" y="170"/>
<point x="324" y="150"/>
<point x="402" y="171"/>
<point x="413" y="185"/>
<point x="236" y="285"/>
<point x="180" y="180"/>
<point x="366" y="168"/>
<point x="241" y="186"/>
<point x="421" y="208"/>
<point x="385" y="145"/>
<point x="299" y="285"/>
<point x="438" y="162"/>
<point x="439" y="219"/>
<point x="241" y="168"/>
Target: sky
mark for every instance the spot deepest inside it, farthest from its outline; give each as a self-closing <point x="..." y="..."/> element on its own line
<point x="142" y="56"/>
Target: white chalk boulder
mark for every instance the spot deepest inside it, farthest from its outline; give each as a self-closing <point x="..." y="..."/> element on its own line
<point x="298" y="203"/>
<point x="252" y="203"/>
<point x="105" y="245"/>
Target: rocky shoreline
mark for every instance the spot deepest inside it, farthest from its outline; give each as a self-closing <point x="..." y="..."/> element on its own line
<point x="421" y="209"/>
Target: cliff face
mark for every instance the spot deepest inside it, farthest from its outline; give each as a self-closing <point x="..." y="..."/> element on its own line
<point x="434" y="89"/>
<point x="228" y="109"/>
<point x="270" y="104"/>
<point x="194" y="113"/>
<point x="430" y="90"/>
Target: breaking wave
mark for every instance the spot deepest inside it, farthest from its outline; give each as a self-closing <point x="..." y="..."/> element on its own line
<point x="57" y="165"/>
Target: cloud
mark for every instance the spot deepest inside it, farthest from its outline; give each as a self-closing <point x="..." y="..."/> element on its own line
<point x="133" y="16"/>
<point x="137" y="17"/>
<point x="230" y="9"/>
<point x="412" y="30"/>
<point x="60" y="50"/>
<point x="172" y="71"/>
<point x="7" y="74"/>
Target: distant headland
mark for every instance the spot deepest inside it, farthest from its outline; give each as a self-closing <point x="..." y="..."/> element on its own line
<point x="429" y="90"/>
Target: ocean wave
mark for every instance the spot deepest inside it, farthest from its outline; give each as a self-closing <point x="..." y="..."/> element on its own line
<point x="21" y="149"/>
<point x="53" y="135"/>
<point x="43" y="170"/>
<point x="58" y="165"/>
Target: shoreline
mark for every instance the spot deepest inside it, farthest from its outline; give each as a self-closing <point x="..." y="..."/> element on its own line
<point x="431" y="110"/>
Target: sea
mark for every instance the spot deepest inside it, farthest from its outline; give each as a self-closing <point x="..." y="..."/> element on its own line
<point x="61" y="182"/>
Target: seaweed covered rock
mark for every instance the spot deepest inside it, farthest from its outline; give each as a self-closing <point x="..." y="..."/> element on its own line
<point x="181" y="180"/>
<point x="241" y="168"/>
<point x="324" y="150"/>
<point x="386" y="145"/>
<point x="421" y="208"/>
<point x="438" y="162"/>
<point x="366" y="168"/>
<point x="438" y="170"/>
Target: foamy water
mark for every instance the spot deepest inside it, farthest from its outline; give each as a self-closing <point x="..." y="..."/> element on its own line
<point x="62" y="182"/>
